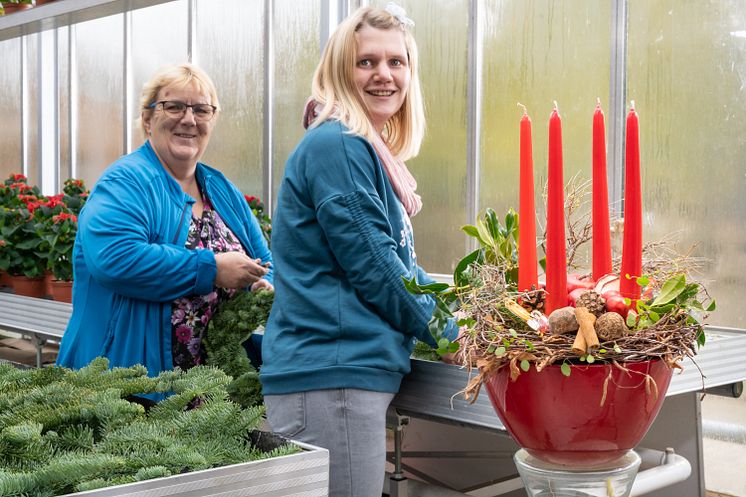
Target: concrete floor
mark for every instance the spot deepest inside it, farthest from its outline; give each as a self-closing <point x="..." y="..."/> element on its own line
<point x="725" y="456"/>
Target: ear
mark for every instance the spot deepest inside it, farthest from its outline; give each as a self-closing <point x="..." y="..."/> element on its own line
<point x="146" y="117"/>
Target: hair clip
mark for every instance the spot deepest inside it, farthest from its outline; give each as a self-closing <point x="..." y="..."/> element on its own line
<point x="400" y="14"/>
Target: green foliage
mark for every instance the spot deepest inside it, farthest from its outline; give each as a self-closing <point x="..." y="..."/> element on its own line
<point x="677" y="301"/>
<point x="229" y="328"/>
<point x="65" y="431"/>
<point x="257" y="208"/>
<point x="498" y="245"/>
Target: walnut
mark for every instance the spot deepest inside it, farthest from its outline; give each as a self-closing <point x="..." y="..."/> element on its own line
<point x="563" y="321"/>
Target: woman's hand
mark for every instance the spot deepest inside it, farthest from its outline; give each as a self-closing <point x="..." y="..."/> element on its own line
<point x="237" y="270"/>
<point x="262" y="285"/>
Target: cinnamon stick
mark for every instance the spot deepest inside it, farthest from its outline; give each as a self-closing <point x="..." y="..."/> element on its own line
<point x="586" y="319"/>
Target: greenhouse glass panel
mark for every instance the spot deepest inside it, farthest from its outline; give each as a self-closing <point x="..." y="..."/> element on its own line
<point x="159" y="38"/>
<point x="686" y="74"/>
<point x="63" y="104"/>
<point x="10" y="107"/>
<point x="230" y="47"/>
<point x="31" y="86"/>
<point x="296" y="53"/>
<point x="99" y="98"/>
<point x="441" y="29"/>
<point x="536" y="53"/>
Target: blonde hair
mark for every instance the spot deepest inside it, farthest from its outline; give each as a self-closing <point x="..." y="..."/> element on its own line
<point x="334" y="86"/>
<point x="181" y="75"/>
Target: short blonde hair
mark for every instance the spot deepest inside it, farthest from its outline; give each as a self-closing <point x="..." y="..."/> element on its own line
<point x="334" y="86"/>
<point x="181" y="75"/>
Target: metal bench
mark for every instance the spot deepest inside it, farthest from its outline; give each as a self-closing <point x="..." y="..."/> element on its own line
<point x="38" y="319"/>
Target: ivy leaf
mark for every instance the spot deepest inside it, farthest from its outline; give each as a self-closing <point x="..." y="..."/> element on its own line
<point x="565" y="369"/>
<point x="590" y="359"/>
<point x="525" y="365"/>
<point x="500" y="351"/>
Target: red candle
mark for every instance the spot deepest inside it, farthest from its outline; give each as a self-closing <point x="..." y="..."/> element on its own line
<point x="527" y="276"/>
<point x="601" y="234"/>
<point x="632" y="244"/>
<point x="555" y="243"/>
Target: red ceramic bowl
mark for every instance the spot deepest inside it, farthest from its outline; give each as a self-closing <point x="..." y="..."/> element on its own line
<point x="561" y="420"/>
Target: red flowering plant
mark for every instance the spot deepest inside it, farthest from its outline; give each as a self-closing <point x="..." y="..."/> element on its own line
<point x="257" y="208"/>
<point x="14" y="185"/>
<point x="75" y="194"/>
<point x="18" y="231"/>
<point x="54" y="228"/>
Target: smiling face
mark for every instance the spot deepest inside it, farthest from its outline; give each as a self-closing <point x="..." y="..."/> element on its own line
<point x="381" y="72"/>
<point x="178" y="142"/>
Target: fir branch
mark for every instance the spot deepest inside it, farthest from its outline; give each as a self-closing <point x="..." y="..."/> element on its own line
<point x="228" y="329"/>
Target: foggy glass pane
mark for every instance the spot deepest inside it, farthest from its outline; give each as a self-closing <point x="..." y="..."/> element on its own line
<point x="10" y="107"/>
<point x="687" y="68"/>
<point x="63" y="96"/>
<point x="159" y="38"/>
<point x="100" y="89"/>
<point x="296" y="43"/>
<point x="441" y="32"/>
<point x="33" y="160"/>
<point x="230" y="49"/>
<point x="536" y="53"/>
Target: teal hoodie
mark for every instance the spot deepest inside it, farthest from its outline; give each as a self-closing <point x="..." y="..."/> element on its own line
<point x="131" y="263"/>
<point x="341" y="242"/>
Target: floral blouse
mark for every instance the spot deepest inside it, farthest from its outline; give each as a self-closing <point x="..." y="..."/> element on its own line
<point x="191" y="314"/>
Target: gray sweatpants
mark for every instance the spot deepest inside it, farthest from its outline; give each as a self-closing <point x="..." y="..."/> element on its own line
<point x="350" y="423"/>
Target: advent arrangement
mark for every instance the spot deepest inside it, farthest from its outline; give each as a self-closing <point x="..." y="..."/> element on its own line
<point x="576" y="364"/>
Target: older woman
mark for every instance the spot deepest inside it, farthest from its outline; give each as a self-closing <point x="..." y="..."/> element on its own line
<point x="342" y="326"/>
<point x="162" y="240"/>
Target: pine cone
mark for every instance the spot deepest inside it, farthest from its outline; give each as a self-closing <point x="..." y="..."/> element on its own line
<point x="533" y="300"/>
<point x="592" y="301"/>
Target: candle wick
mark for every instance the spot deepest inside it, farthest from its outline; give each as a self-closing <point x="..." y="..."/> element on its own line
<point x="525" y="111"/>
<point x="555" y="105"/>
<point x="598" y="101"/>
<point x="632" y="105"/>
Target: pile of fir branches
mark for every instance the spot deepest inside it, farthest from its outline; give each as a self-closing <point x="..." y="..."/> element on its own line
<point x="65" y="431"/>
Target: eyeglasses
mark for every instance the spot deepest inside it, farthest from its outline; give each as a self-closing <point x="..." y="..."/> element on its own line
<point x="176" y="109"/>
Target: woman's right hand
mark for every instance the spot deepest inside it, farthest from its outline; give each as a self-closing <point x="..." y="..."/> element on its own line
<point x="237" y="270"/>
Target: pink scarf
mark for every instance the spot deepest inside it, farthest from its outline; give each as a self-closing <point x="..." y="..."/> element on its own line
<point x="401" y="179"/>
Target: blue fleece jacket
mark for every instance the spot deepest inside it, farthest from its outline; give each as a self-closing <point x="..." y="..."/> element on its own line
<point x="130" y="262"/>
<point x="341" y="242"/>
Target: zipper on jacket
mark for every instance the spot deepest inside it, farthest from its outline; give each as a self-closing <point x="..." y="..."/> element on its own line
<point x="181" y="221"/>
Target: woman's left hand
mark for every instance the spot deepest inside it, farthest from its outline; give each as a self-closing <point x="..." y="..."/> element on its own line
<point x="262" y="285"/>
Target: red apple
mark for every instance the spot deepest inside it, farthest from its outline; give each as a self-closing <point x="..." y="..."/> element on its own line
<point x="573" y="296"/>
<point x="615" y="302"/>
<point x="575" y="281"/>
